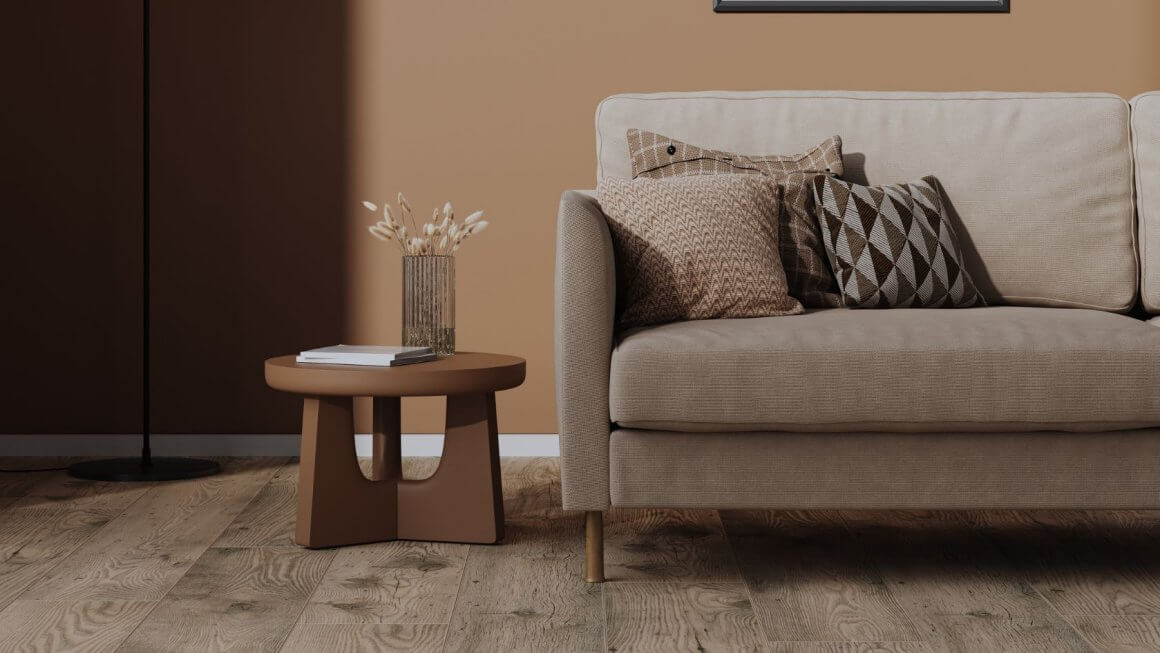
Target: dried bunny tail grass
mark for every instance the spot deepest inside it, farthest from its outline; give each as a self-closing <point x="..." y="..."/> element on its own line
<point x="442" y="236"/>
<point x="407" y="213"/>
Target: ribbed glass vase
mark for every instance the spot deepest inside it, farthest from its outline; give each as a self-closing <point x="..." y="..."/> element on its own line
<point x="429" y="303"/>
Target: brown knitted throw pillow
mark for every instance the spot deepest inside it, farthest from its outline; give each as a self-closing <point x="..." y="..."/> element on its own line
<point x="655" y="156"/>
<point x="696" y="248"/>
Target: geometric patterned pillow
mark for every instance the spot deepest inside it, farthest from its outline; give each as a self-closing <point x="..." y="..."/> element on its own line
<point x="892" y="246"/>
<point x="656" y="157"/>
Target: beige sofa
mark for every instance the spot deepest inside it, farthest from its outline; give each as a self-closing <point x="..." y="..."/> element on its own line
<point x="1050" y="398"/>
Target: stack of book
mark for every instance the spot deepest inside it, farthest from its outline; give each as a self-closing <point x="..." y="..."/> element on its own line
<point x="366" y="355"/>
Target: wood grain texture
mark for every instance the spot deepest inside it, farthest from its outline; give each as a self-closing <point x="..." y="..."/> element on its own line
<point x="851" y="647"/>
<point x="69" y="625"/>
<point x="391" y="583"/>
<point x="413" y="468"/>
<point x="531" y="488"/>
<point x="253" y="574"/>
<point x="18" y="484"/>
<point x="810" y="581"/>
<point x="1000" y="632"/>
<point x="371" y="638"/>
<point x="34" y="540"/>
<point x="956" y="586"/>
<point x="42" y="528"/>
<point x="240" y="599"/>
<point x="60" y="488"/>
<point x="1065" y="555"/>
<point x="966" y="581"/>
<point x="1120" y="634"/>
<point x="527" y="594"/>
<point x="268" y="520"/>
<point x="666" y="545"/>
<point x="680" y="617"/>
<point x="142" y="553"/>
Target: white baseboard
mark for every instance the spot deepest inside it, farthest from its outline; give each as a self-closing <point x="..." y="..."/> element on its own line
<point x="414" y="444"/>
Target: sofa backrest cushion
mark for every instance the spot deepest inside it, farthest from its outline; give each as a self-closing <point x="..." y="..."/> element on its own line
<point x="1039" y="185"/>
<point x="1146" y="142"/>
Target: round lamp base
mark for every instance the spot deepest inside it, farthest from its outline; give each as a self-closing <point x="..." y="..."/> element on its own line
<point x="127" y="470"/>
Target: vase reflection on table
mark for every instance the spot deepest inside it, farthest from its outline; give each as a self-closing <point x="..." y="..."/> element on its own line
<point x="428" y="270"/>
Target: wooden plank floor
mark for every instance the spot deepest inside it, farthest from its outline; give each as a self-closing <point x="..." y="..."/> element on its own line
<point x="210" y="565"/>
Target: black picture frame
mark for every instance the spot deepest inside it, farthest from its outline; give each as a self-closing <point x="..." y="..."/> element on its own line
<point x="863" y="6"/>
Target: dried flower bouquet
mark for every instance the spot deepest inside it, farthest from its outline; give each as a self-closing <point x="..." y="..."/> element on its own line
<point x="442" y="236"/>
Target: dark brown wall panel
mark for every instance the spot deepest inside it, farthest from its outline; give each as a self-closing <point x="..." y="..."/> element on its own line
<point x="248" y="172"/>
<point x="70" y="197"/>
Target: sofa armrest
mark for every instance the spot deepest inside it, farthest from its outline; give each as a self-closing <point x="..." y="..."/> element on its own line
<point x="585" y="306"/>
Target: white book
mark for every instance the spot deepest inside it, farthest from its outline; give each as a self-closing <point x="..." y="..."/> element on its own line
<point x="357" y="362"/>
<point x="365" y="355"/>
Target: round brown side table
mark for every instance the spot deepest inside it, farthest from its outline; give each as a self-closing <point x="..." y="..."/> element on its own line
<point x="337" y="504"/>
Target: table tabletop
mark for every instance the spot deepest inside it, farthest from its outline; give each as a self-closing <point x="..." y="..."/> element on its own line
<point x="462" y="373"/>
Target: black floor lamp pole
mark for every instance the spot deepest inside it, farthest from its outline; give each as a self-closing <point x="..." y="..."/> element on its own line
<point x="145" y="468"/>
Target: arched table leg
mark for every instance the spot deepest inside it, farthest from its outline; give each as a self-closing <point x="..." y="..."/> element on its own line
<point x="462" y="501"/>
<point x="336" y="504"/>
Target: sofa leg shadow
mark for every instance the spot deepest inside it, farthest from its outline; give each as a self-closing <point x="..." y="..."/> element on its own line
<point x="594" y="546"/>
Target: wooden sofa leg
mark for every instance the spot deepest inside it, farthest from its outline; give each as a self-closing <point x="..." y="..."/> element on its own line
<point x="594" y="546"/>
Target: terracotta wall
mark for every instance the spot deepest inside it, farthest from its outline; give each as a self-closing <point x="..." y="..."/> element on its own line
<point x="275" y="117"/>
<point x="490" y="104"/>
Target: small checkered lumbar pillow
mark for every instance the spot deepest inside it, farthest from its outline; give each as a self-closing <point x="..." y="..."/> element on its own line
<point x="655" y="157"/>
<point x="696" y="248"/>
<point x="893" y="245"/>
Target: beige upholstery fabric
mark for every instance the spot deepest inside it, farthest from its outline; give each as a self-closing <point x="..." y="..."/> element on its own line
<point x="1146" y="141"/>
<point x="986" y="369"/>
<point x="696" y="248"/>
<point x="655" y="156"/>
<point x="1042" y="183"/>
<point x="886" y="470"/>
<point x="585" y="301"/>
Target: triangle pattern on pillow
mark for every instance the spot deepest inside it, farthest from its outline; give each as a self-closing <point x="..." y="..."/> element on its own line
<point x="892" y="246"/>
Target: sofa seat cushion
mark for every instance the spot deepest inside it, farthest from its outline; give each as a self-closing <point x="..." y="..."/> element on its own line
<point x="916" y="370"/>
